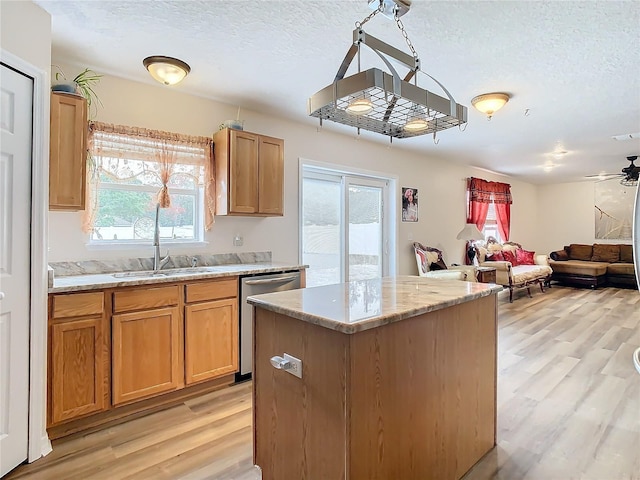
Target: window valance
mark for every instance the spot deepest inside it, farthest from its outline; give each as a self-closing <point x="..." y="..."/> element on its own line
<point x="483" y="191"/>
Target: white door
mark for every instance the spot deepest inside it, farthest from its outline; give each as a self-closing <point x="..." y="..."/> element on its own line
<point x="16" y="102"/>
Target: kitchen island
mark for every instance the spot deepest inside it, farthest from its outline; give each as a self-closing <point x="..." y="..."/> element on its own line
<point x="398" y="379"/>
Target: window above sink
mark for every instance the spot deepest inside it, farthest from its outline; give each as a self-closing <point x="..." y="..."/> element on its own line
<point x="131" y="169"/>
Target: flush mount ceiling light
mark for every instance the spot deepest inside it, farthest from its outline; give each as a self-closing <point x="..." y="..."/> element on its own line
<point x="489" y="103"/>
<point x="384" y="102"/>
<point x="166" y="70"/>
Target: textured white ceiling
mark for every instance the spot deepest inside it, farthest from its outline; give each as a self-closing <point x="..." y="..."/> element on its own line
<point x="574" y="64"/>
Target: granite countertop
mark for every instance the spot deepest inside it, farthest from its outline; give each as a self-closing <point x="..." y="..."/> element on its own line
<point x="97" y="281"/>
<point x="360" y="305"/>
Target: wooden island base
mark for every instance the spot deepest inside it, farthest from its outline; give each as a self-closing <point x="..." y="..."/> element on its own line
<point x="414" y="399"/>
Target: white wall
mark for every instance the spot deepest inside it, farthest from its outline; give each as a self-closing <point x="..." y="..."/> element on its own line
<point x="441" y="185"/>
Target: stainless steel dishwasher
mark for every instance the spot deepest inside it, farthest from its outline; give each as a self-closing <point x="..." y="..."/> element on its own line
<point x="256" y="285"/>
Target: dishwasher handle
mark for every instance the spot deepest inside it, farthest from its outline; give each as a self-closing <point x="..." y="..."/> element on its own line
<point x="266" y="281"/>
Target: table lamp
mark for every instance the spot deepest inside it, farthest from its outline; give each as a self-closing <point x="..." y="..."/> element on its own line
<point x="470" y="233"/>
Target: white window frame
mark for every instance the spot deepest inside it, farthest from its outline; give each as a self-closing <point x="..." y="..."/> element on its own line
<point x="491" y="223"/>
<point x="347" y="176"/>
<point x="198" y="240"/>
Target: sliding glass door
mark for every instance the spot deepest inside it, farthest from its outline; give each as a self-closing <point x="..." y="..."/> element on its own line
<point x="344" y="232"/>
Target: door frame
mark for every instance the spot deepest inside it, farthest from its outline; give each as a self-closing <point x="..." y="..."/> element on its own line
<point x="39" y="444"/>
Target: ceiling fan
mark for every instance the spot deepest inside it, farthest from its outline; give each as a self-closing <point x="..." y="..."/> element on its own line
<point x="629" y="175"/>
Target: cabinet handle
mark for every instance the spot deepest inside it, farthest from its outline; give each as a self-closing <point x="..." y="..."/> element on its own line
<point x="271" y="280"/>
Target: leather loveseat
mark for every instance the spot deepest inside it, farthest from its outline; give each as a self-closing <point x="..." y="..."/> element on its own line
<point x="594" y="265"/>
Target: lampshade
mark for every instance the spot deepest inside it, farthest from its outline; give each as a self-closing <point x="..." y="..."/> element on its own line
<point x="470" y="232"/>
<point x="166" y="70"/>
<point x="489" y="103"/>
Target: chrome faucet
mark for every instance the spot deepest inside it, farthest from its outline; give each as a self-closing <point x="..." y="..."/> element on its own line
<point x="158" y="262"/>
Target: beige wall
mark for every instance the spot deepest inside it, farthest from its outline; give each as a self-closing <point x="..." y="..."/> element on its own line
<point x="20" y="23"/>
<point x="441" y="184"/>
<point x="566" y="215"/>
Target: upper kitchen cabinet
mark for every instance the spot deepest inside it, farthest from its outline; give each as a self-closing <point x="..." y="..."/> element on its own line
<point x="249" y="173"/>
<point x="67" y="152"/>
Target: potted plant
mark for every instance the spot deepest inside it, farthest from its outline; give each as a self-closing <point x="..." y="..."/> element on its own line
<point x="82" y="84"/>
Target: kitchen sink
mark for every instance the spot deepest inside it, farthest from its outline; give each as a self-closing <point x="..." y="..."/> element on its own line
<point x="170" y="272"/>
<point x="139" y="274"/>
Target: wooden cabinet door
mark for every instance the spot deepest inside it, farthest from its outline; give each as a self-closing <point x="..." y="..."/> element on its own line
<point x="243" y="172"/>
<point x="68" y="152"/>
<point x="77" y="368"/>
<point x="147" y="356"/>
<point x="211" y="339"/>
<point x="271" y="176"/>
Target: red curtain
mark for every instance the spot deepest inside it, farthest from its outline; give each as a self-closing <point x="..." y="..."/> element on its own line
<point x="479" y="200"/>
<point x="502" y="202"/>
<point x="481" y="193"/>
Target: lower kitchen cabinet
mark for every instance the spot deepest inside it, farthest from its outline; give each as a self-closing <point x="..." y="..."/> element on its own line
<point x="146" y="354"/>
<point x="78" y="356"/>
<point x="77" y="375"/>
<point x="122" y="350"/>
<point x="211" y="339"/>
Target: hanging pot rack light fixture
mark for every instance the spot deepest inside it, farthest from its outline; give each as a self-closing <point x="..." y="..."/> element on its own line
<point x="385" y="103"/>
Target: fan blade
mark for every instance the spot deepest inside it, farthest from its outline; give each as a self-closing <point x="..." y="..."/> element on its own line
<point x="604" y="175"/>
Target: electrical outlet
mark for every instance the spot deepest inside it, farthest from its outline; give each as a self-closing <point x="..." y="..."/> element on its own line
<point x="295" y="367"/>
<point x="238" y="241"/>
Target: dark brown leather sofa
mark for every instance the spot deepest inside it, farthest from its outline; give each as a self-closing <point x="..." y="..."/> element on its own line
<point x="594" y="265"/>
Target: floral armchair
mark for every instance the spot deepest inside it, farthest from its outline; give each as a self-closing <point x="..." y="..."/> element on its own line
<point x="430" y="264"/>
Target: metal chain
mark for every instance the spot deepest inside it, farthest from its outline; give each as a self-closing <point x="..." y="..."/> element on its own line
<point x="406" y="37"/>
<point x="370" y="16"/>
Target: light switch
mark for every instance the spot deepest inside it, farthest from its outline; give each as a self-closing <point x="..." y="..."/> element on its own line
<point x="238" y="241"/>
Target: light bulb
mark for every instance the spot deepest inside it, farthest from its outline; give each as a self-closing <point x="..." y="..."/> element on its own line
<point x="360" y="105"/>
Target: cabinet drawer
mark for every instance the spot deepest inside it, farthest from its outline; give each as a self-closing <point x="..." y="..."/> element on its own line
<point x="197" y="292"/>
<point x="139" y="299"/>
<point x="78" y="304"/>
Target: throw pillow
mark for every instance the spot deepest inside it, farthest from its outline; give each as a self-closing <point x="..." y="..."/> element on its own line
<point x="510" y="256"/>
<point x="495" y="257"/>
<point x="525" y="257"/>
<point x="579" y="251"/>
<point x="605" y="253"/>
<point x="560" y="255"/>
<point x="626" y="253"/>
<point x="432" y="256"/>
<point x="424" y="266"/>
<point x="437" y="266"/>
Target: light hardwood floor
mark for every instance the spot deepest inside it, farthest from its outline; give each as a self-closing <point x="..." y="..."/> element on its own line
<point x="568" y="406"/>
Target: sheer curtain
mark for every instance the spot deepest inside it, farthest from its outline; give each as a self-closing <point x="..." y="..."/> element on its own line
<point x="121" y="154"/>
<point x="480" y="194"/>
